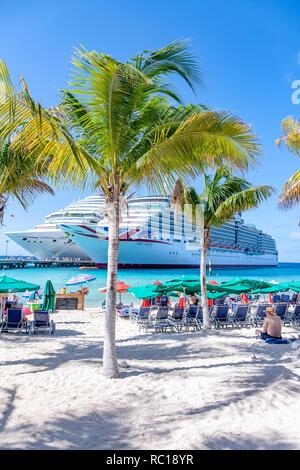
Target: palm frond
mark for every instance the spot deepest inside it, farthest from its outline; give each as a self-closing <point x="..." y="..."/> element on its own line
<point x="291" y="192"/>
<point x="242" y="201"/>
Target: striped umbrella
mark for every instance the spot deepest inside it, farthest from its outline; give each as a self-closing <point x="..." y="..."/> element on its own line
<point x="80" y="279"/>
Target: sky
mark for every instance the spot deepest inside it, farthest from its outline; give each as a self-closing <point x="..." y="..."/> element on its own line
<point x="249" y="53"/>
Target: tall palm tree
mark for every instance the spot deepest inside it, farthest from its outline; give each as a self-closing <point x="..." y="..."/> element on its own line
<point x="223" y="196"/>
<point x="20" y="178"/>
<point x="117" y="128"/>
<point x="291" y="139"/>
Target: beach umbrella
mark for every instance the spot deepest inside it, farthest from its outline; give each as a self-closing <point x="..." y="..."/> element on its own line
<point x="121" y="288"/>
<point x="272" y="289"/>
<point x="244" y="299"/>
<point x="80" y="279"/>
<point x="145" y="303"/>
<point x="8" y="284"/>
<point x="49" y="296"/>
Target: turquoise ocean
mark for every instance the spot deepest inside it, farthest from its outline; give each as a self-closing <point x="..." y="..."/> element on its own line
<point x="135" y="277"/>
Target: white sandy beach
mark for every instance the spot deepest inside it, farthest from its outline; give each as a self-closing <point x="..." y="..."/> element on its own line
<point x="181" y="391"/>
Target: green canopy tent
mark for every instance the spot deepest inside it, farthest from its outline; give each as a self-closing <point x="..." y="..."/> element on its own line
<point x="49" y="296"/>
<point x="8" y="284"/>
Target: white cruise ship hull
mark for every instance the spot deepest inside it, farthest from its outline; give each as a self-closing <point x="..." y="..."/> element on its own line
<point x="47" y="244"/>
<point x="149" y="253"/>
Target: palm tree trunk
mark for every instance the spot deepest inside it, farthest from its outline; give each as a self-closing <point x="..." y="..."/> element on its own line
<point x="204" y="247"/>
<point x="110" y="363"/>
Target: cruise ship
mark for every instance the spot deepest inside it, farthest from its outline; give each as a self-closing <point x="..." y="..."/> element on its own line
<point x="47" y="241"/>
<point x="152" y="236"/>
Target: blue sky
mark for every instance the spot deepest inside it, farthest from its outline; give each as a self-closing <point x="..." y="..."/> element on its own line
<point x="249" y="52"/>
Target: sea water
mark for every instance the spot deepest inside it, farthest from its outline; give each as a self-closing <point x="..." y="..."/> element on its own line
<point x="135" y="277"/>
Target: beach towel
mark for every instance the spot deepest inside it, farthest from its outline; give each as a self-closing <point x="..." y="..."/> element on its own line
<point x="277" y="340"/>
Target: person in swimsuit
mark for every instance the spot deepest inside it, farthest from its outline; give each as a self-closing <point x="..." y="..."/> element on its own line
<point x="272" y="325"/>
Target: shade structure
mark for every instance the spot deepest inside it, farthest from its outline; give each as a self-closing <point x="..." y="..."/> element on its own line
<point x="80" y="279"/>
<point x="239" y="286"/>
<point x="273" y="288"/>
<point x="49" y="296"/>
<point x="145" y="303"/>
<point x="121" y="288"/>
<point x="8" y="284"/>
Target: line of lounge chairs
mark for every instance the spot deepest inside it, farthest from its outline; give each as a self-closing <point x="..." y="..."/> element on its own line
<point x="13" y="322"/>
<point x="178" y="319"/>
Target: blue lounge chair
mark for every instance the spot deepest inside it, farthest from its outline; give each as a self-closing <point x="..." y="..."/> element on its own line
<point x="260" y="314"/>
<point x="276" y="298"/>
<point x="143" y="317"/>
<point x="177" y="317"/>
<point x="296" y="315"/>
<point x="162" y="322"/>
<point x="14" y="322"/>
<point x="42" y="322"/>
<point x="222" y="318"/>
<point x="241" y="317"/>
<point x="163" y="302"/>
<point x="191" y="315"/>
<point x="281" y="310"/>
<point x="284" y="298"/>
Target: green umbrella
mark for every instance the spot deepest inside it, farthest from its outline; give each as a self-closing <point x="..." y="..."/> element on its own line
<point x="280" y="287"/>
<point x="239" y="286"/>
<point x="49" y="296"/>
<point x="147" y="292"/>
<point x="8" y="284"/>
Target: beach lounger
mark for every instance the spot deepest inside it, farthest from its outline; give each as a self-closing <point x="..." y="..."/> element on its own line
<point x="14" y="322"/>
<point x="282" y="311"/>
<point x="177" y="317"/>
<point x="276" y="298"/>
<point x="296" y="315"/>
<point x="284" y="298"/>
<point x="42" y="322"/>
<point x="163" y="302"/>
<point x="260" y="314"/>
<point x="161" y="323"/>
<point x="143" y="317"/>
<point x="190" y="318"/>
<point x="240" y="316"/>
<point x="222" y="318"/>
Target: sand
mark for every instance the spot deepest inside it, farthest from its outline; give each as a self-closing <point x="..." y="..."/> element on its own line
<point x="181" y="391"/>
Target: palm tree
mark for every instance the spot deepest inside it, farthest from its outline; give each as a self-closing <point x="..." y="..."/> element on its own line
<point x="291" y="139"/>
<point x="117" y="128"/>
<point x="20" y="178"/>
<point x="223" y="196"/>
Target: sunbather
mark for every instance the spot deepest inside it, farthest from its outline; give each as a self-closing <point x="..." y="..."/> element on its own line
<point x="272" y="325"/>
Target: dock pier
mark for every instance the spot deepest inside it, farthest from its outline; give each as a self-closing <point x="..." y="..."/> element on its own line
<point x="23" y="263"/>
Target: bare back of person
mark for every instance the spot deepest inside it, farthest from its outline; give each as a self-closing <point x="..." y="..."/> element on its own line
<point x="272" y="326"/>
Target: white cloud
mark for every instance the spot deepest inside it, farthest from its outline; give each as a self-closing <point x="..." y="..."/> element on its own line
<point x="294" y="236"/>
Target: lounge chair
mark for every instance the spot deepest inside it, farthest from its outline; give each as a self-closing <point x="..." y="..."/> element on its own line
<point x="162" y="322"/>
<point x="296" y="315"/>
<point x="163" y="302"/>
<point x="282" y="310"/>
<point x="191" y="315"/>
<point x="42" y="322"/>
<point x="143" y="317"/>
<point x="260" y="314"/>
<point x="284" y="298"/>
<point x="276" y="298"/>
<point x="14" y="322"/>
<point x="240" y="316"/>
<point x="222" y="317"/>
<point x="177" y="317"/>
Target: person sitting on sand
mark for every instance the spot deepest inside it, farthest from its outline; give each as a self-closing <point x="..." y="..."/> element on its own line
<point x="272" y="325"/>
